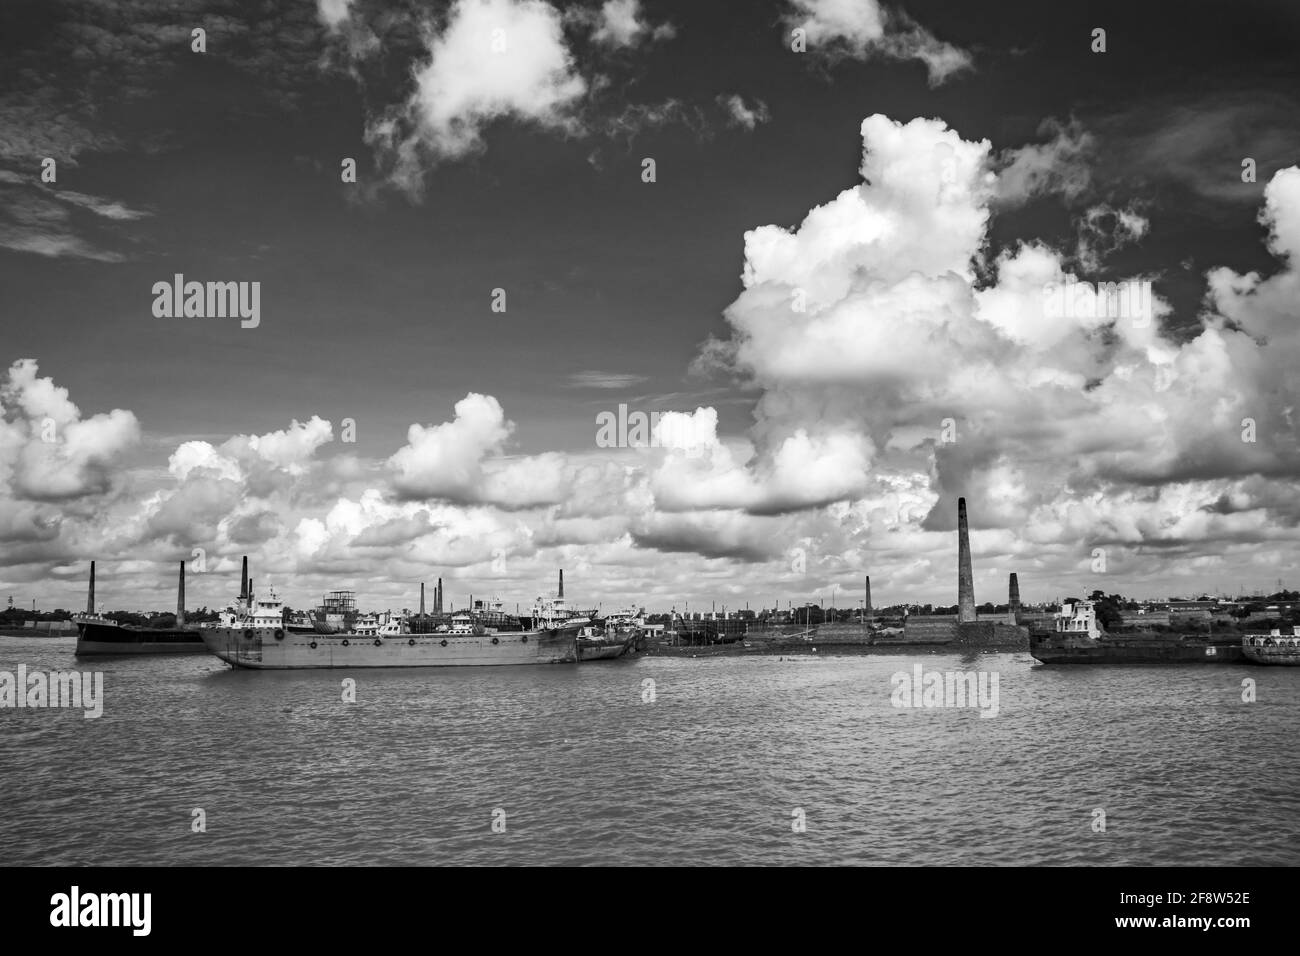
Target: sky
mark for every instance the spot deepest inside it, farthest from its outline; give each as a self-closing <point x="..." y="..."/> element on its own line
<point x="848" y="290"/>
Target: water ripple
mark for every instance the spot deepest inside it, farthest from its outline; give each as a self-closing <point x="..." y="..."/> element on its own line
<point x="723" y="766"/>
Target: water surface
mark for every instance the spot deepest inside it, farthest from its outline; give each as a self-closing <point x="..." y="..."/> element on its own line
<point x="711" y="772"/>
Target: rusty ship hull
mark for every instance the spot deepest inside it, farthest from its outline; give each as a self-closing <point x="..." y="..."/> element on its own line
<point x="1055" y="648"/>
<point x="278" y="649"/>
<point x="103" y="637"/>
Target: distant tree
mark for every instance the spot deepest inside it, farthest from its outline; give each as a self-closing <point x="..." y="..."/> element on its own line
<point x="1107" y="607"/>
<point x="1108" y="616"/>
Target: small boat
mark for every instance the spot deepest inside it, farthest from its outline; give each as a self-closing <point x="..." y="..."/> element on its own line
<point x="1273" y="648"/>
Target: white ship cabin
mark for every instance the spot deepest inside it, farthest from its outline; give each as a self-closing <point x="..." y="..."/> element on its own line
<point x="462" y="622"/>
<point x="255" y="612"/>
<point x="1078" y="618"/>
<point x="1274" y="638"/>
<point x="627" y="617"/>
<point x="375" y="624"/>
<point x="495" y="606"/>
<point x="555" y="612"/>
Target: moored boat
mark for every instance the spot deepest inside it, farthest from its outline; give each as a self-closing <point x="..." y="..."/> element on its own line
<point x="1273" y="648"/>
<point x="263" y="643"/>
<point x="596" y="643"/>
<point x="1077" y="638"/>
<point x="98" y="635"/>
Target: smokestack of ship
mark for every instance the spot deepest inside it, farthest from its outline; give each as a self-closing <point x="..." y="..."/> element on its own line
<point x="1013" y="600"/>
<point x="561" y="594"/>
<point x="243" y="580"/>
<point x="965" y="580"/>
<point x="866" y="599"/>
<point x="90" y="600"/>
<point x="180" y="598"/>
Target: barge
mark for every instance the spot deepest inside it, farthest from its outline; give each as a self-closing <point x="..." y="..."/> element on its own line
<point x="100" y="636"/>
<point x="1077" y="638"/>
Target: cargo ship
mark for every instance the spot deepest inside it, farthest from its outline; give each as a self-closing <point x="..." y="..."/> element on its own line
<point x="1273" y="648"/>
<point x="98" y="635"/>
<point x="1077" y="638"/>
<point x="259" y="641"/>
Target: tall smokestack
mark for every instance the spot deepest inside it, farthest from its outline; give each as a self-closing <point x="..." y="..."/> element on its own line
<point x="421" y="599"/>
<point x="250" y="590"/>
<point x="437" y="599"/>
<point x="243" y="580"/>
<point x="1013" y="600"/>
<point x="965" y="580"/>
<point x="180" y="598"/>
<point x="90" y="599"/>
<point x="866" y="599"/>
<point x="561" y="582"/>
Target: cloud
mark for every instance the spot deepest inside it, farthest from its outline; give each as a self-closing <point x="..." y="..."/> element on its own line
<point x="47" y="222"/>
<point x="1103" y="229"/>
<point x="1059" y="166"/>
<point x="289" y="449"/>
<point x="493" y="59"/>
<point x="446" y="461"/>
<point x="1200" y="144"/>
<point x="871" y="335"/>
<point x="612" y="380"/>
<point x="742" y="115"/>
<point x="94" y="69"/>
<point x="863" y="28"/>
<point x="334" y="13"/>
<point x="618" y="23"/>
<point x="635" y="118"/>
<point x="451" y="462"/>
<point x="48" y="452"/>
